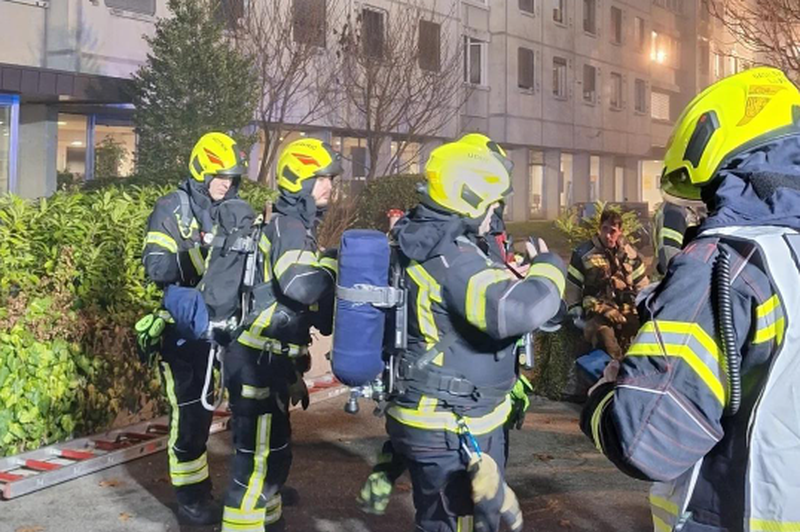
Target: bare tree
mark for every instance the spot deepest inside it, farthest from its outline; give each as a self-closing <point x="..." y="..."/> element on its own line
<point x="289" y="41"/>
<point x="769" y="28"/>
<point x="399" y="76"/>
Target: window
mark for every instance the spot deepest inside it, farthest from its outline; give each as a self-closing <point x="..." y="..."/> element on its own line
<point x="616" y="25"/>
<point x="659" y="105"/>
<point x="525" y="65"/>
<point x="589" y="83"/>
<point x="372" y="27"/>
<point x="616" y="90"/>
<point x="474" y="60"/>
<point x="535" y="182"/>
<point x="526" y="6"/>
<point x="703" y="52"/>
<point x="638" y="33"/>
<point x="640" y="89"/>
<point x="719" y="65"/>
<point x="590" y="16"/>
<point x="664" y="49"/>
<point x="308" y="19"/>
<point x="559" y="8"/>
<point x="145" y="7"/>
<point x="560" y="77"/>
<point x="430" y="44"/>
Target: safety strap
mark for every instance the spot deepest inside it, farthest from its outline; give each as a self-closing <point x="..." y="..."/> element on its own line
<point x="243" y="244"/>
<point x="430" y="379"/>
<point x="377" y="296"/>
<point x="186" y="215"/>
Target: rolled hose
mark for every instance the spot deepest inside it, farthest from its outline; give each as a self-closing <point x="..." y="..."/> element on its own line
<point x="727" y="331"/>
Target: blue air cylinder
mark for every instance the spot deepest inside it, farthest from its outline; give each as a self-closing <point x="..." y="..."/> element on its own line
<point x="358" y="329"/>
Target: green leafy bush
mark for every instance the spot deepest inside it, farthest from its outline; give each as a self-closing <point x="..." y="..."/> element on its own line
<point x="71" y="287"/>
<point x="578" y="230"/>
<point x="384" y="193"/>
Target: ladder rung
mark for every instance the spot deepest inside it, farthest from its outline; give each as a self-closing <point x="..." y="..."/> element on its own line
<point x="38" y="465"/>
<point x="158" y="428"/>
<point x="76" y="455"/>
<point x="8" y="477"/>
<point x="138" y="436"/>
<point x="105" y="445"/>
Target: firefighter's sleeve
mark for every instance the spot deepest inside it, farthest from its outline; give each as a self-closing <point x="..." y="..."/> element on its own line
<point x="167" y="258"/>
<point x="575" y="279"/>
<point x="496" y="302"/>
<point x="639" y="275"/>
<point x="303" y="275"/>
<point x="671" y="236"/>
<point x="665" y="411"/>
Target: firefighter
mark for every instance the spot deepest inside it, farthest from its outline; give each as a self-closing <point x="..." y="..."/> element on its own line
<point x="179" y="233"/>
<point x="264" y="367"/>
<point x="605" y="274"/>
<point x="676" y="224"/>
<point x="706" y="401"/>
<point x="465" y="316"/>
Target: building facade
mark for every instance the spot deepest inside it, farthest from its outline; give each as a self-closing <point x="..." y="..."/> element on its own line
<point x="582" y="93"/>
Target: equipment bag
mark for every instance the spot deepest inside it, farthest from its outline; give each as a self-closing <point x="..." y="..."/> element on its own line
<point x="363" y="296"/>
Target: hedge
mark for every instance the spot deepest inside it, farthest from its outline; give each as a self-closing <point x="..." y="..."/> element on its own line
<point x="71" y="287"/>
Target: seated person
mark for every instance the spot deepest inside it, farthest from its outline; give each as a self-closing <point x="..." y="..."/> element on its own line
<point x="604" y="276"/>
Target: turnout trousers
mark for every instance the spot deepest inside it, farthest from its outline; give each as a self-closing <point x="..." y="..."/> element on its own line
<point x="183" y="369"/>
<point x="258" y="384"/>
<point x="438" y="467"/>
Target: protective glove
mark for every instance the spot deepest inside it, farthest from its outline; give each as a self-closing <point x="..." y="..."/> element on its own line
<point x="491" y="495"/>
<point x="520" y="402"/>
<point x="298" y="392"/>
<point x="148" y="337"/>
<point x="374" y="495"/>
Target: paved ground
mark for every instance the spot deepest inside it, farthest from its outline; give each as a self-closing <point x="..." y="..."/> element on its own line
<point x="563" y="484"/>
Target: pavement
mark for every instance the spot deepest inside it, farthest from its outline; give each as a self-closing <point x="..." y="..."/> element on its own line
<point x="562" y="482"/>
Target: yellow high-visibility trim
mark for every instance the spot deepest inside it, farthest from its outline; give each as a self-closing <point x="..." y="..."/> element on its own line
<point x="252" y="337"/>
<point x="672" y="234"/>
<point x="197" y="260"/>
<point x="549" y="271"/>
<point x="664" y="504"/>
<point x="660" y="525"/>
<point x="429" y="290"/>
<point x="188" y="479"/>
<point x="691" y="329"/>
<point x="253" y="392"/>
<point x="638" y="272"/>
<point x="189" y="467"/>
<point x="330" y="264"/>
<point x="773" y="330"/>
<point x="236" y="527"/>
<point x="597" y="415"/>
<point x="768" y="306"/>
<point x="477" y="286"/>
<point x="768" y="525"/>
<point x="465" y="523"/>
<point x="161" y="239"/>
<point x="447" y="420"/>
<point x="292" y="257"/>
<point x="576" y="273"/>
<point x="260" y="460"/>
<point x="685" y="353"/>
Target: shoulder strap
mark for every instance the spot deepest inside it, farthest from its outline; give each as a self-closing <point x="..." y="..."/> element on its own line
<point x="185" y="213"/>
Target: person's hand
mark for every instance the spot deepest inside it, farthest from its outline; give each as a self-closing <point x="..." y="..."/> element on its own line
<point x="609" y="375"/>
<point x="298" y="393"/>
<point x="614" y="316"/>
<point x="532" y="250"/>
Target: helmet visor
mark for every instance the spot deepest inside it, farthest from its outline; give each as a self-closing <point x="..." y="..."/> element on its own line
<point x="678" y="185"/>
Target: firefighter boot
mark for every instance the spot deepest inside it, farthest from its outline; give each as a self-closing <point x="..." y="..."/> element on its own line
<point x="201" y="513"/>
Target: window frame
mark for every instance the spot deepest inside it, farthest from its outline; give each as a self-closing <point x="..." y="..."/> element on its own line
<point x="617" y="30"/>
<point x="560" y="7"/>
<point x="367" y="48"/>
<point x="593" y="100"/>
<point x="470" y="43"/>
<point x="323" y="32"/>
<point x="521" y="51"/>
<point x="638" y="82"/>
<point x="594" y="31"/>
<point x="125" y="9"/>
<point x="617" y="100"/>
<point x="438" y="45"/>
<point x="560" y="82"/>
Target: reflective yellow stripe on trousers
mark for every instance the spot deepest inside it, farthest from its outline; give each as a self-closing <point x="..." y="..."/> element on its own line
<point x="181" y="473"/>
<point x="249" y="518"/>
